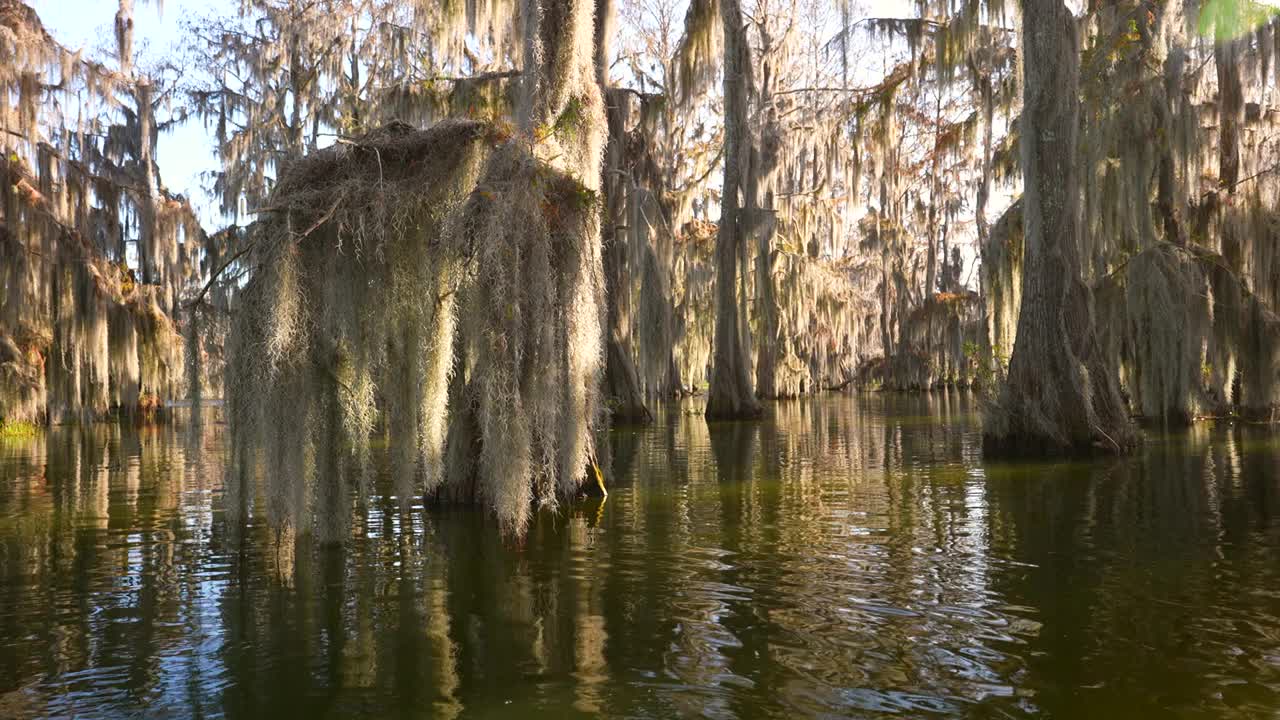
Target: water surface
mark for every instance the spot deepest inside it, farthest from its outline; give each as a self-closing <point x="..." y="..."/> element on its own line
<point x="850" y="556"/>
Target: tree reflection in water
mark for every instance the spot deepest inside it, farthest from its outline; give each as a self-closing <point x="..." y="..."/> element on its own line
<point x="845" y="556"/>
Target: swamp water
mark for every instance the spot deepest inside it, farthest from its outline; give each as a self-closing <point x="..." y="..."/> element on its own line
<point x="850" y="556"/>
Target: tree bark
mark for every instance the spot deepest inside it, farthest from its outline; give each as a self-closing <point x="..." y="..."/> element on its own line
<point x="985" y="92"/>
<point x="731" y="395"/>
<point x="623" y="390"/>
<point x="931" y="262"/>
<point x="1059" y="396"/>
<point x="1226" y="56"/>
<point x="124" y="36"/>
<point x="759" y="186"/>
<point x="1171" y="210"/>
<point x="148" y="258"/>
<point x="767" y="299"/>
<point x="622" y="381"/>
<point x="982" y="81"/>
<point x="931" y="256"/>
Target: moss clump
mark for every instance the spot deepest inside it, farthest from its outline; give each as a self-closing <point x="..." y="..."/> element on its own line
<point x="18" y="429"/>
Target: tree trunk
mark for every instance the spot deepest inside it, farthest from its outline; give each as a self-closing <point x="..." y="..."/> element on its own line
<point x="982" y="80"/>
<point x="931" y="255"/>
<point x="623" y="391"/>
<point x="886" y="305"/>
<point x="148" y="256"/>
<point x="985" y="96"/>
<point x="1226" y="56"/>
<point x="124" y="36"/>
<point x="1167" y="201"/>
<point x="675" y="381"/>
<point x="767" y="300"/>
<point x="931" y="262"/>
<point x="148" y="192"/>
<point x="731" y="395"/>
<point x="294" y="144"/>
<point x="1059" y="395"/>
<point x="759" y="194"/>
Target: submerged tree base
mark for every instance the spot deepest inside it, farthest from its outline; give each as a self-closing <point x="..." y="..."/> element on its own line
<point x="744" y="410"/>
<point x="1055" y="401"/>
<point x="1041" y="446"/>
<point x="624" y="397"/>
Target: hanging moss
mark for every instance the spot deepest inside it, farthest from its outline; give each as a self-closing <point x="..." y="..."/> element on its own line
<point x="354" y="294"/>
<point x="1002" y="263"/>
<point x="1157" y="309"/>
<point x="445" y="281"/>
<point x="81" y="334"/>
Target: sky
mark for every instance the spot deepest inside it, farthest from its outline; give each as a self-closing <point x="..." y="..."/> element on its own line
<point x="188" y="153"/>
<point x="188" y="150"/>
